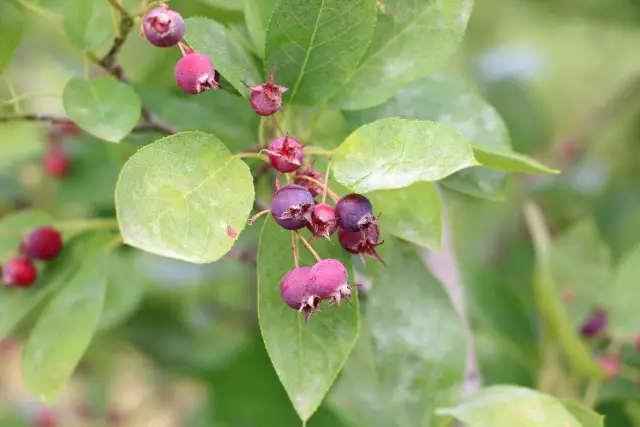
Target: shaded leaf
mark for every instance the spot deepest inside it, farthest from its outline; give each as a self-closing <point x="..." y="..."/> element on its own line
<point x="412" y="38"/>
<point x="624" y="316"/>
<point x="316" y="45"/>
<point x="104" y="107"/>
<point x="184" y="196"/>
<point x="509" y="161"/>
<point x="257" y="14"/>
<point x="235" y="5"/>
<point x="395" y="153"/>
<point x="88" y="23"/>
<point x="585" y="415"/>
<point x="11" y="30"/>
<point x="307" y="357"/>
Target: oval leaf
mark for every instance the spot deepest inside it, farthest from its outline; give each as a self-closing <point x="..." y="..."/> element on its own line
<point x="316" y="45"/>
<point x="395" y="153"/>
<point x="104" y="107"/>
<point x="623" y="313"/>
<point x="228" y="56"/>
<point x="506" y="406"/>
<point x="509" y="161"/>
<point x="88" y="23"/>
<point x="184" y="196"/>
<point x="307" y="357"/>
<point x="412" y="38"/>
<point x="11" y="29"/>
<point x="257" y="14"/>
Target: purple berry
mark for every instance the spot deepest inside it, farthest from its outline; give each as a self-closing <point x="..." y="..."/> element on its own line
<point x="19" y="272"/>
<point x="266" y="98"/>
<point x="354" y="212"/>
<point x="44" y="243"/>
<point x="596" y="323"/>
<point x="295" y="292"/>
<point x="195" y="73"/>
<point x="285" y="154"/>
<point x="313" y="187"/>
<point x="323" y="221"/>
<point x="163" y="27"/>
<point x="361" y="242"/>
<point x="328" y="280"/>
<point x="291" y="207"/>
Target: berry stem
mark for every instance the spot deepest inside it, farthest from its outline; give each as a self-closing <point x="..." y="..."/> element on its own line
<point x="326" y="182"/>
<point x="251" y="155"/>
<point x="591" y="392"/>
<point x="277" y="124"/>
<point x="262" y="140"/>
<point x="114" y="20"/>
<point x="332" y="193"/>
<point x="183" y="49"/>
<point x="308" y="245"/>
<point x="294" y="246"/>
<point x="277" y="181"/>
<point x="258" y="215"/>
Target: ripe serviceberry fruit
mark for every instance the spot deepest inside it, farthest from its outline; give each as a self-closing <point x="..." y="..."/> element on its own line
<point x="295" y="292"/>
<point x="44" y="243"/>
<point x="313" y="187"/>
<point x="361" y="242"/>
<point x="323" y="221"/>
<point x="56" y="163"/>
<point x="19" y="272"/>
<point x="328" y="280"/>
<point x="195" y="73"/>
<point x="291" y="207"/>
<point x="163" y="27"/>
<point x="354" y="212"/>
<point x="595" y="323"/>
<point x="266" y="98"/>
<point x="285" y="154"/>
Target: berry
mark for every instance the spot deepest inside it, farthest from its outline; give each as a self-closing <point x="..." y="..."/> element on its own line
<point x="44" y="243"/>
<point x="45" y="417"/>
<point x="313" y="187"/>
<point x="595" y="323"/>
<point x="328" y="280"/>
<point x="638" y="341"/>
<point x="291" y="207"/>
<point x="19" y="272"/>
<point x="609" y="363"/>
<point x="285" y="154"/>
<point x="295" y="292"/>
<point x="266" y="98"/>
<point x="361" y="242"/>
<point x="323" y="221"/>
<point x="355" y="212"/>
<point x="163" y="27"/>
<point x="56" y="163"/>
<point x="195" y="73"/>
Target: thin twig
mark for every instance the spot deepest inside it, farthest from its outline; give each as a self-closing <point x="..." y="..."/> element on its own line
<point x="33" y="118"/>
<point x="155" y="126"/>
<point x="308" y="245"/>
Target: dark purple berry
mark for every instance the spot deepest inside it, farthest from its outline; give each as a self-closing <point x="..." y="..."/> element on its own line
<point x="56" y="163"/>
<point x="361" y="242"/>
<point x="266" y="98"/>
<point x="19" y="272"/>
<point x="328" y="280"/>
<point x="323" y="221"/>
<point x="313" y="187"/>
<point x="295" y="292"/>
<point x="354" y="212"/>
<point x="285" y="154"/>
<point x="291" y="207"/>
<point x="163" y="27"/>
<point x="195" y="73"/>
<point x="44" y="243"/>
<point x="595" y="323"/>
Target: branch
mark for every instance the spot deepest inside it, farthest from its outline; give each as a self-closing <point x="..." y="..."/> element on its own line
<point x="33" y="118"/>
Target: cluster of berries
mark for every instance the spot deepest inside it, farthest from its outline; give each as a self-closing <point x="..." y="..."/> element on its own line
<point x="42" y="244"/>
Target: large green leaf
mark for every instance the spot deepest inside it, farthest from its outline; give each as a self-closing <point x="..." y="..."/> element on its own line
<point x="394" y="153"/>
<point x="623" y="313"/>
<point x="412" y="38"/>
<point x="228" y="55"/>
<point x="506" y="406"/>
<point x="410" y="358"/>
<point x="509" y="161"/>
<point x="257" y="14"/>
<point x="585" y="415"/>
<point x="11" y="29"/>
<point x="104" y="107"/>
<point x="184" y="196"/>
<point x="88" y="23"/>
<point x="307" y="357"/>
<point x="316" y="45"/>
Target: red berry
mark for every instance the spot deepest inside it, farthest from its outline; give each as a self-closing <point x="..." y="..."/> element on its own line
<point x="295" y="292"/>
<point x="361" y="242"/>
<point x="328" y="280"/>
<point x="354" y="212"/>
<point x="45" y="417"/>
<point x="609" y="363"/>
<point x="163" y="27"/>
<point x="595" y="324"/>
<point x="323" y="221"/>
<point x="285" y="154"/>
<point x="19" y="272"/>
<point x="56" y="163"/>
<point x="291" y="207"/>
<point x="44" y="243"/>
<point x="266" y="98"/>
<point x="313" y="187"/>
<point x="195" y="73"/>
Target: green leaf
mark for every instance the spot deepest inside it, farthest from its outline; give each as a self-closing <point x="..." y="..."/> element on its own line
<point x="235" y="5"/>
<point x="506" y="406"/>
<point x="316" y="45"/>
<point x="65" y="328"/>
<point x="585" y="415"/>
<point x="227" y="54"/>
<point x="395" y="153"/>
<point x="257" y="14"/>
<point x="412" y="213"/>
<point x="184" y="196"/>
<point x="15" y="227"/>
<point x="445" y="99"/>
<point x="624" y="316"/>
<point x="88" y="23"/>
<point x="104" y="107"/>
<point x="11" y="30"/>
<point x="306" y="357"/>
<point x="410" y="358"/>
<point x="412" y="39"/>
<point x="509" y="161"/>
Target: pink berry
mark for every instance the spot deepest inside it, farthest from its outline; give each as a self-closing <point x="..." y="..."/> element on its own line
<point x="313" y="187"/>
<point x="195" y="73"/>
<point x="609" y="363"/>
<point x="44" y="243"/>
<point x="354" y="212"/>
<point x="361" y="242"/>
<point x="328" y="280"/>
<point x="266" y="98"/>
<point x="295" y="292"/>
<point x="19" y="272"/>
<point x="323" y="221"/>
<point x="56" y="163"/>
<point x="45" y="417"/>
<point x="285" y="154"/>
<point x="291" y="207"/>
<point x="163" y="27"/>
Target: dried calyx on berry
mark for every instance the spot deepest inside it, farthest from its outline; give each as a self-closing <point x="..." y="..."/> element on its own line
<point x="355" y="212"/>
<point x="285" y="154"/>
<point x="362" y="242"/>
<point x="163" y="27"/>
<point x="56" y="162"/>
<point x="323" y="221"/>
<point x="266" y="98"/>
<point x="44" y="243"/>
<point x="291" y="207"/>
<point x="19" y="272"/>
<point x="328" y="280"/>
<point x="314" y="187"/>
<point x="195" y="73"/>
<point x="295" y="292"/>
